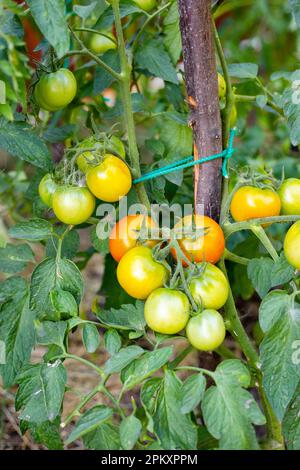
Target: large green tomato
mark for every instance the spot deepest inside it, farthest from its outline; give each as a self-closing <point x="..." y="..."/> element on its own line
<point x="289" y="193"/>
<point x="73" y="205"/>
<point x="292" y="245"/>
<point x="210" y="289"/>
<point x="146" y="5"/>
<point x="167" y="311"/>
<point x="206" y="331"/>
<point x="100" y="44"/>
<point x="47" y="188"/>
<point x="56" y="90"/>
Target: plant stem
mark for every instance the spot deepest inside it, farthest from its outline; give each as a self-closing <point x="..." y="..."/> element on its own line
<point x="94" y="31"/>
<point x="85" y="362"/>
<point x="229" y="228"/>
<point x="185" y="352"/>
<point x="248" y="99"/>
<point x="127" y="104"/>
<point x="263" y="237"/>
<point x="235" y="258"/>
<point x="80" y="405"/>
<point x="225" y="352"/>
<point x="197" y="369"/>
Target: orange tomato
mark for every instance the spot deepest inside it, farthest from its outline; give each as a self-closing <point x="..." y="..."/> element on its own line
<point x="125" y="233"/>
<point x="208" y="247"/>
<point x="249" y="202"/>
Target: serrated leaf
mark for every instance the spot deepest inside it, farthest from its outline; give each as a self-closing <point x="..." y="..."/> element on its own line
<point x="49" y="333"/>
<point x="48" y="434"/>
<point x="16" y="328"/>
<point x="151" y="56"/>
<point x="291" y="423"/>
<point x="174" y="429"/>
<point x="130" y="429"/>
<point x="50" y="16"/>
<point x="243" y="70"/>
<point x="41" y="391"/>
<point x="63" y="303"/>
<point x="112" y="341"/>
<point x="24" y="144"/>
<point x="90" y="337"/>
<point x="33" y="230"/>
<point x="70" y="244"/>
<point x="105" y="437"/>
<point x="278" y="350"/>
<point x="122" y="358"/>
<point x="128" y="317"/>
<point x="14" y="258"/>
<point x="103" y="79"/>
<point x="84" y="11"/>
<point x="192" y="392"/>
<point x="89" y="421"/>
<point x="229" y="410"/>
<point x="172" y="39"/>
<point x="144" y="366"/>
<point x="259" y="272"/>
<point x="282" y="272"/>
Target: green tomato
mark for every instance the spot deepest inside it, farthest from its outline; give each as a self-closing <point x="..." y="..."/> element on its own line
<point x="291" y="245"/>
<point x="233" y="117"/>
<point x="222" y="86"/>
<point x="56" y="90"/>
<point x="100" y="44"/>
<point x="85" y="159"/>
<point x="73" y="205"/>
<point x="210" y="289"/>
<point x="167" y="311"/>
<point x="146" y="5"/>
<point x="47" y="188"/>
<point x="206" y="331"/>
<point x="289" y="193"/>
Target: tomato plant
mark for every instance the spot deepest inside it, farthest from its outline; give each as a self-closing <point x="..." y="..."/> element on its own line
<point x="149" y="229"/>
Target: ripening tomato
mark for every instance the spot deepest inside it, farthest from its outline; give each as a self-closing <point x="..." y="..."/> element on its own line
<point x="167" y="311"/>
<point x="73" y="205"/>
<point x="249" y="202"/>
<point x="146" y="5"/>
<point x="125" y="233"/>
<point x="222" y="86"/>
<point x="47" y="188"/>
<point x="210" y="289"/>
<point x="110" y="180"/>
<point x="139" y="273"/>
<point x="289" y="193"/>
<point x="100" y="44"/>
<point x="206" y="331"/>
<point x="292" y="245"/>
<point x="56" y="90"/>
<point x="85" y="159"/>
<point x="208" y="247"/>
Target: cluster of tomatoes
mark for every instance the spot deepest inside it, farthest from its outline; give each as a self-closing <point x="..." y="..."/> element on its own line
<point x="107" y="178"/>
<point x="251" y="202"/>
<point x="168" y="310"/>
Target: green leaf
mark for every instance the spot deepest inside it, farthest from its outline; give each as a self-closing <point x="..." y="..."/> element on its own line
<point x="49" y="333"/>
<point x="41" y="391"/>
<point x="259" y="271"/>
<point x="278" y="350"/>
<point x="176" y="137"/>
<point x="295" y="7"/>
<point x="14" y="258"/>
<point x="50" y="17"/>
<point x="52" y="274"/>
<point x="174" y="429"/>
<point x="70" y="244"/>
<point x="112" y="341"/>
<point x="122" y="358"/>
<point x="90" y="337"/>
<point x="243" y="70"/>
<point x="101" y="245"/>
<point x="192" y="392"/>
<point x="282" y="272"/>
<point x="128" y="317"/>
<point x="229" y="410"/>
<point x="172" y="39"/>
<point x="33" y="230"/>
<point x="64" y="304"/>
<point x="47" y="433"/>
<point x="102" y="78"/>
<point x="130" y="429"/>
<point x="84" y="11"/>
<point x="126" y="8"/>
<point x="16" y="328"/>
<point x="151" y="56"/>
<point x="89" y="421"/>
<point x="291" y="423"/>
<point x="24" y="144"/>
<point x="105" y="437"/>
<point x="144" y="366"/>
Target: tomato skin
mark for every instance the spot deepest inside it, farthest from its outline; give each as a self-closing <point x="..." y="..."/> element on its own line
<point x="47" y="188"/>
<point x="146" y="5"/>
<point x="101" y="44"/>
<point x="291" y="245"/>
<point x="86" y="158"/>
<point x="73" y="205"/>
<point x="56" y="90"/>
<point x="250" y="202"/>
<point x="206" y="331"/>
<point x="124" y="234"/>
<point x="167" y="311"/>
<point x="110" y="180"/>
<point x="139" y="274"/>
<point x="289" y="193"/>
<point x="222" y="86"/>
<point x="210" y="289"/>
<point x="208" y="247"/>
